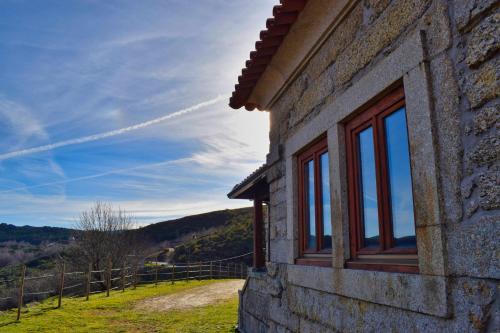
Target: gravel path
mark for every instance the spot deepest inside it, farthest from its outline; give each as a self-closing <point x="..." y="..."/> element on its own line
<point x="193" y="297"/>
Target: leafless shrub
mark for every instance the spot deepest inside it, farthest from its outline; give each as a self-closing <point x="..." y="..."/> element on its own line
<point x="105" y="237"/>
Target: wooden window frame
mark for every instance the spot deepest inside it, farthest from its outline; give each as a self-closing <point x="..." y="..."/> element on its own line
<point x="386" y="257"/>
<point x="319" y="256"/>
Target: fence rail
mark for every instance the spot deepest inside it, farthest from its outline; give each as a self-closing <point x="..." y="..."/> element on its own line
<point x="90" y="281"/>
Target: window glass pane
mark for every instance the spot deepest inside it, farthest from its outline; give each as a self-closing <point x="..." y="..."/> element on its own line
<point x="401" y="197"/>
<point x="310" y="212"/>
<point x="368" y="188"/>
<point x="326" y="209"/>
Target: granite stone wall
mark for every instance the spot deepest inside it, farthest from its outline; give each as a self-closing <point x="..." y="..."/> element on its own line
<point x="462" y="42"/>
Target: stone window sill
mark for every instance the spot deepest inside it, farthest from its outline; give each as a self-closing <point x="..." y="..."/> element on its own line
<point x="407" y="266"/>
<point x="312" y="261"/>
<point x="415" y="292"/>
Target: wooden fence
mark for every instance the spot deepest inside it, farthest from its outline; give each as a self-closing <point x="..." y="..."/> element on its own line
<point x="88" y="282"/>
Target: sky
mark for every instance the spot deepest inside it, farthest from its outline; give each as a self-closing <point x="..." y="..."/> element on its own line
<point x="125" y="102"/>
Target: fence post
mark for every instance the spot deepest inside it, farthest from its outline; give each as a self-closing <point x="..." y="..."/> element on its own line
<point x="87" y="285"/>
<point x="156" y="271"/>
<point x="211" y="271"/>
<point x="21" y="292"/>
<point x="199" y="270"/>
<point x="241" y="272"/>
<point x="108" y="278"/>
<point x="135" y="277"/>
<point x="220" y="270"/>
<point x="187" y="272"/>
<point x="123" y="277"/>
<point x="61" y="285"/>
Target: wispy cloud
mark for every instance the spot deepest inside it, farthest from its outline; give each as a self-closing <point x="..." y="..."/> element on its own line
<point x="97" y="175"/>
<point x="108" y="134"/>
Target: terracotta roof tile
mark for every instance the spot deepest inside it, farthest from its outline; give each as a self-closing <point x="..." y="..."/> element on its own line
<point x="284" y="16"/>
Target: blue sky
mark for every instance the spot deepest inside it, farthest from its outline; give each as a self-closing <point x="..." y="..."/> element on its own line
<point x="76" y="77"/>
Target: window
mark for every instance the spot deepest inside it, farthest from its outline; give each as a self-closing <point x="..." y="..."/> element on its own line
<point x="314" y="201"/>
<point x="382" y="226"/>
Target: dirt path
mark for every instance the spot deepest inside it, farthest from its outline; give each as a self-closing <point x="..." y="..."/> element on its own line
<point x="194" y="297"/>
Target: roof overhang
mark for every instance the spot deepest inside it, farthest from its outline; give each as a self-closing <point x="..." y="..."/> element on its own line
<point x="268" y="74"/>
<point x="254" y="186"/>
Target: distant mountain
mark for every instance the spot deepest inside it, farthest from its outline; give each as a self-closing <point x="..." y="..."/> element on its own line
<point x="33" y="235"/>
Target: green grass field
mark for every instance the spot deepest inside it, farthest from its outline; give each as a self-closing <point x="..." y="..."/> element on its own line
<point x="117" y="314"/>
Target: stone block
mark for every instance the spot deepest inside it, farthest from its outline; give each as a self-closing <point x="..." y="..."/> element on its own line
<point x="288" y="99"/>
<point x="414" y="292"/>
<point x="485" y="119"/>
<point x="280" y="251"/>
<point x="279" y="312"/>
<point x="448" y="126"/>
<point x="278" y="229"/>
<point x="276" y="328"/>
<point x="276" y="170"/>
<point x="256" y="303"/>
<point x="468" y="11"/>
<point x="467" y="187"/>
<point x="307" y="326"/>
<point x="250" y="324"/>
<point x="484" y="153"/>
<point x="484" y="40"/>
<point x="373" y="8"/>
<point x="473" y="248"/>
<point x="272" y="269"/>
<point x="477" y="305"/>
<point x="430" y="250"/>
<point x="278" y="213"/>
<point x="277" y="184"/>
<point x="257" y="283"/>
<point x="489" y="189"/>
<point x="336" y="42"/>
<point x="315" y="93"/>
<point x="436" y="24"/>
<point x="483" y="84"/>
<point x="314" y="305"/>
<point x="385" y="30"/>
<point x="278" y="198"/>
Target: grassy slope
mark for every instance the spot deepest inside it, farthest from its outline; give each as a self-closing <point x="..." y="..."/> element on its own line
<point x="232" y="239"/>
<point x="117" y="314"/>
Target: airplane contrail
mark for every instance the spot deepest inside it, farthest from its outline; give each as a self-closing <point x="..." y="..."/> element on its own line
<point x="108" y="134"/>
<point x="98" y="175"/>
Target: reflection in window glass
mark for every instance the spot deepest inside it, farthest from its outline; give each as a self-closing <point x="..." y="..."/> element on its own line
<point x="326" y="210"/>
<point x="398" y="161"/>
<point x="310" y="211"/>
<point x="368" y="187"/>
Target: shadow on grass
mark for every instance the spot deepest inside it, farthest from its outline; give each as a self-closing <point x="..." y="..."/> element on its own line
<point x="26" y="313"/>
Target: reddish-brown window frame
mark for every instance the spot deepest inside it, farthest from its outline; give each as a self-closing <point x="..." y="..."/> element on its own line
<point x="386" y="257"/>
<point x="312" y="152"/>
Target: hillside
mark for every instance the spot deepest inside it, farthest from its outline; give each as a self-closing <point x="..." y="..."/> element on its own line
<point x="175" y="229"/>
<point x="231" y="239"/>
<point x="33" y="235"/>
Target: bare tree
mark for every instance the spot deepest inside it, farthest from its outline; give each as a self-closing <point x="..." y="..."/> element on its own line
<point x="105" y="236"/>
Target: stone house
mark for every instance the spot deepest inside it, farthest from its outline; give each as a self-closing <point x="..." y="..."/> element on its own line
<point x="383" y="176"/>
